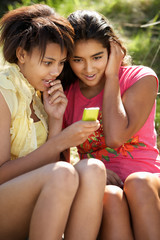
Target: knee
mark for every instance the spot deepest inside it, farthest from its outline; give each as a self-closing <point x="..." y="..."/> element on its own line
<point x="113" y="196"/>
<point x="92" y="171"/>
<point x="139" y="184"/>
<point x="62" y="176"/>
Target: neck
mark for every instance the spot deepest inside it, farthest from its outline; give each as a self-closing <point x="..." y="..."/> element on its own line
<point x="91" y="91"/>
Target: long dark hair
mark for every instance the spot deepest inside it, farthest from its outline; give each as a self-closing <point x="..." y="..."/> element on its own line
<point x="33" y="26"/>
<point x="91" y="25"/>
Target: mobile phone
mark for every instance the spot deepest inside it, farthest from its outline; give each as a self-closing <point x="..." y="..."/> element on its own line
<point x="90" y="114"/>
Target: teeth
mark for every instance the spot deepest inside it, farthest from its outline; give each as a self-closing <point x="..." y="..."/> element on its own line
<point x="90" y="75"/>
<point x="49" y="81"/>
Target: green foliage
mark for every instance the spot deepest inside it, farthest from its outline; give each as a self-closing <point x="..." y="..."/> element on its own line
<point x="23" y="3"/>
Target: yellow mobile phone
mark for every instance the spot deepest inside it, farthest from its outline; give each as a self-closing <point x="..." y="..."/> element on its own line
<point x="90" y="114"/>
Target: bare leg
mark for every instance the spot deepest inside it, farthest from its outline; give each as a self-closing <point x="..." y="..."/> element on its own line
<point x="86" y="212"/>
<point x="143" y="194"/>
<point x="116" y="218"/>
<point x="38" y="203"/>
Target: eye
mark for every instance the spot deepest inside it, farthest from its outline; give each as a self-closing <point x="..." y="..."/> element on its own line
<point x="77" y="60"/>
<point x="97" y="57"/>
<point x="47" y="63"/>
<point x="63" y="62"/>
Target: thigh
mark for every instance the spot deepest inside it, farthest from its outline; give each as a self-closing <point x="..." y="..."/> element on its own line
<point x="116" y="215"/>
<point x="18" y="198"/>
<point x="143" y="195"/>
<point x="87" y="206"/>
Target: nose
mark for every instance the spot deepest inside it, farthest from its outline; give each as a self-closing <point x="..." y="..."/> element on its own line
<point x="55" y="71"/>
<point x="88" y="66"/>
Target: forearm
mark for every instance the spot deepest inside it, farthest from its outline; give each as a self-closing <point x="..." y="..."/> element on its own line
<point x="71" y="136"/>
<point x="45" y="154"/>
<point x="55" y="127"/>
<point x="115" y="118"/>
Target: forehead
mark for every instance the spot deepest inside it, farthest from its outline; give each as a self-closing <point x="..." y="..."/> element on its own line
<point x="53" y="50"/>
<point x="88" y="47"/>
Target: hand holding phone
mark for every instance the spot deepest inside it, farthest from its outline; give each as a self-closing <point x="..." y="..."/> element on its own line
<point x="90" y="114"/>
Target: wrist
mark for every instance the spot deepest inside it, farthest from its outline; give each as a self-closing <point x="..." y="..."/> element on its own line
<point x="112" y="76"/>
<point x="54" y="127"/>
<point x="60" y="142"/>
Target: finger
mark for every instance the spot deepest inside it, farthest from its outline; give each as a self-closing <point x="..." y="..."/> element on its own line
<point x="115" y="45"/>
<point x="112" y="182"/>
<point x="57" y="81"/>
<point x="113" y="178"/>
<point x="89" y="130"/>
<point x="109" y="182"/>
<point x="89" y="124"/>
<point x="56" y="95"/>
<point x="117" y="182"/>
<point x="110" y="179"/>
<point x="58" y="100"/>
<point x="55" y="87"/>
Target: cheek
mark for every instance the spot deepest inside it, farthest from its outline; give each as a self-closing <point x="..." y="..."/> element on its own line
<point x="61" y="69"/>
<point x="103" y="65"/>
<point x="76" y="68"/>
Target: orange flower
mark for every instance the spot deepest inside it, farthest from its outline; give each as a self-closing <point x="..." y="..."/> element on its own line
<point x="129" y="146"/>
<point x="125" y="148"/>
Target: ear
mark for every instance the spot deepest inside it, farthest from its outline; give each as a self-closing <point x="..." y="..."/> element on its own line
<point x="21" y="54"/>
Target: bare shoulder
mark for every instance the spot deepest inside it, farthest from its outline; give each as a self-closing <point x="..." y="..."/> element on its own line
<point x="5" y="122"/>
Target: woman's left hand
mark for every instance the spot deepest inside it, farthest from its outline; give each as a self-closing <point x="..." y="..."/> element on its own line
<point x="54" y="100"/>
<point x="115" y="60"/>
<point x="113" y="179"/>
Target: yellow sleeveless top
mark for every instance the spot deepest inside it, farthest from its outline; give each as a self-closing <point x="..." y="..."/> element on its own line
<point x="26" y="135"/>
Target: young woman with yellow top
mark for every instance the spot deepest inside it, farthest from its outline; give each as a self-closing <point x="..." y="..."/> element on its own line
<point x="39" y="195"/>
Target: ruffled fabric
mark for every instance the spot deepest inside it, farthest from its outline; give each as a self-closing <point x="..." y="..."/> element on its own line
<point x="19" y="94"/>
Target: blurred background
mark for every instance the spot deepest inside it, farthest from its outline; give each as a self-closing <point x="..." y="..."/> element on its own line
<point x="136" y="21"/>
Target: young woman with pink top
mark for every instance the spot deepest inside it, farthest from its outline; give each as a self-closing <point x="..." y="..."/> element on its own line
<point x="99" y="74"/>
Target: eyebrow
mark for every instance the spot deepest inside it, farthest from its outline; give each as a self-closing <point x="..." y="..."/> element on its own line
<point x="53" y="59"/>
<point x="94" y="55"/>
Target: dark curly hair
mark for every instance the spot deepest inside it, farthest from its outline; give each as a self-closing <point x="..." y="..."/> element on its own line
<point x="33" y="26"/>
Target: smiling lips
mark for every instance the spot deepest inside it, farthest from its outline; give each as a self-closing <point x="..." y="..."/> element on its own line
<point x="90" y="77"/>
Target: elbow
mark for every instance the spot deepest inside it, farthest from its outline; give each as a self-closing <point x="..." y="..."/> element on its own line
<point x="113" y="142"/>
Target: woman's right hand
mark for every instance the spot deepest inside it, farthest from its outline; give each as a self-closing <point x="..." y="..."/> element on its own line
<point x="78" y="132"/>
<point x="54" y="100"/>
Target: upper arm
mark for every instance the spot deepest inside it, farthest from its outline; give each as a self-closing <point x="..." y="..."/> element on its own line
<point x="5" y="122"/>
<point x="138" y="101"/>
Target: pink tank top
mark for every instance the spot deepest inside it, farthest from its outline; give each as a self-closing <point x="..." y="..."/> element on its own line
<point x="139" y="153"/>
